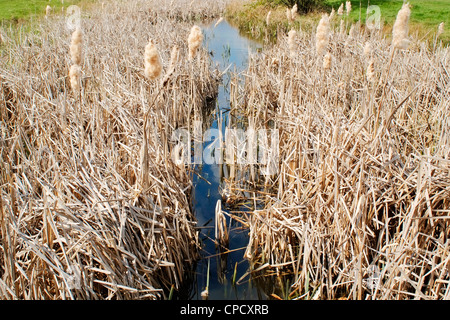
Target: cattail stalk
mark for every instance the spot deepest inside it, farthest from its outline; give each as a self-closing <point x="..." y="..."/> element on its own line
<point x="195" y="40"/>
<point x="152" y="61"/>
<point x="400" y="29"/>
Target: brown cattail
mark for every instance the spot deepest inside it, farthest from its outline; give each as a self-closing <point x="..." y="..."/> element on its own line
<point x="291" y="42"/>
<point x="322" y="34"/>
<point x="268" y="18"/>
<point x="76" y="46"/>
<point x="370" y="73"/>
<point x="195" y="40"/>
<point x="440" y="29"/>
<point x="75" y="77"/>
<point x="400" y="29"/>
<point x="348" y="7"/>
<point x="327" y="61"/>
<point x="152" y="61"/>
<point x="341" y="9"/>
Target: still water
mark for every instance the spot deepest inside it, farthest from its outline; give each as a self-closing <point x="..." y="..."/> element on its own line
<point x="229" y="51"/>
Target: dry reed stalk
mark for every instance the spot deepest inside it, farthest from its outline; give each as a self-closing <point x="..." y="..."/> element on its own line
<point x="268" y="17"/>
<point x="75" y="78"/>
<point x="440" y="29"/>
<point x="291" y="43"/>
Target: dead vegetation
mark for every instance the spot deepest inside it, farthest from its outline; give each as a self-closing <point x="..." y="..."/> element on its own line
<point x="92" y="205"/>
<point x="361" y="199"/>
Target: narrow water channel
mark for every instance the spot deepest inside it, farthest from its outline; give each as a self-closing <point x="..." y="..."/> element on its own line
<point x="230" y="52"/>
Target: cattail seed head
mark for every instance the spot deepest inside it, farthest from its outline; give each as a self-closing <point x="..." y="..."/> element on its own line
<point x="327" y="61"/>
<point x="75" y="77"/>
<point x="152" y="61"/>
<point x="322" y="34"/>
<point x="332" y="14"/>
<point x="370" y="73"/>
<point x="341" y="9"/>
<point x="342" y="27"/>
<point x="400" y="29"/>
<point x="48" y="10"/>
<point x="288" y="14"/>
<point x="352" y="32"/>
<point x="367" y="50"/>
<point x="195" y="40"/>
<point x="440" y="29"/>
<point x="268" y="18"/>
<point x="348" y="7"/>
<point x="294" y="12"/>
<point x="76" y="46"/>
<point x="291" y="42"/>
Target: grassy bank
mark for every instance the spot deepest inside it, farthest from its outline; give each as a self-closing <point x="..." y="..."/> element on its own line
<point x="22" y="10"/>
<point x="250" y="17"/>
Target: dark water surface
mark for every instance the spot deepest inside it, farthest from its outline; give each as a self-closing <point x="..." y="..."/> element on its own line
<point x="227" y="47"/>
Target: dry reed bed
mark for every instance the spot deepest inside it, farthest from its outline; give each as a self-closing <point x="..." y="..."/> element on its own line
<point x="92" y="205"/>
<point x="362" y="195"/>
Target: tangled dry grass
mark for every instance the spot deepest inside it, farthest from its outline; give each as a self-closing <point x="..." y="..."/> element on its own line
<point x="361" y="203"/>
<point x="91" y="204"/>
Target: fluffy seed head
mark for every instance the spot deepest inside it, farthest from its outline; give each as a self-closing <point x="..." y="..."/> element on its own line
<point x="368" y="49"/>
<point x="75" y="76"/>
<point x="291" y="42"/>
<point x="400" y="29"/>
<point x="294" y="12"/>
<point x="341" y="9"/>
<point x="370" y="73"/>
<point x="195" y="40"/>
<point x="342" y="27"/>
<point x="322" y="34"/>
<point x="327" y="61"/>
<point x="348" y="7"/>
<point x="48" y="10"/>
<point x="288" y="14"/>
<point x="332" y="14"/>
<point x="152" y="61"/>
<point x="76" y="46"/>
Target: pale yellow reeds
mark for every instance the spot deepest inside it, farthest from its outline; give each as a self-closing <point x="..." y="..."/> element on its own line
<point x="195" y="40"/>
<point x="400" y="30"/>
<point x="152" y="61"/>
